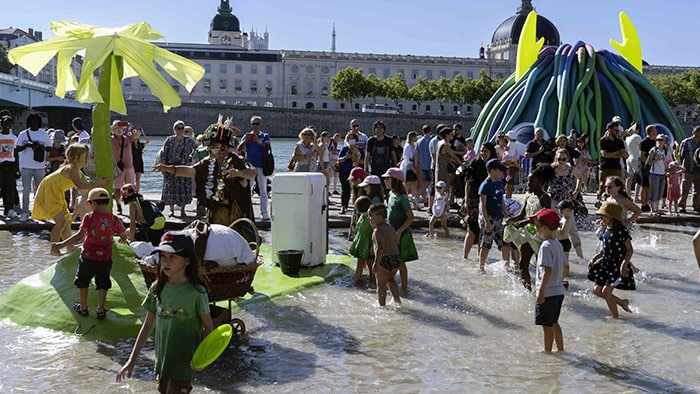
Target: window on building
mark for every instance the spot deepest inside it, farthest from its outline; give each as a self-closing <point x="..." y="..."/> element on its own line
<point x="469" y="110"/>
<point x="470" y="74"/>
<point x="238" y="85"/>
<point x="372" y="70"/>
<point x="429" y="74"/>
<point x="357" y="106"/>
<point x="222" y="86"/>
<point x="294" y="104"/>
<point x="222" y="68"/>
<point x="207" y="67"/>
<point x="324" y="105"/>
<point x="427" y="108"/>
<point x="325" y="87"/>
<point x="342" y="105"/>
<point x="455" y="109"/>
<point x="386" y="73"/>
<point x="309" y="105"/>
<point x="253" y="69"/>
<point x="268" y="70"/>
<point x="239" y="69"/>
<point x="309" y="88"/>
<point x="295" y="87"/>
<point x="268" y="87"/>
<point x="443" y="73"/>
<point x="127" y="84"/>
<point x="414" y="74"/>
<point x="206" y="89"/>
<point x="414" y="108"/>
<point x="253" y="86"/>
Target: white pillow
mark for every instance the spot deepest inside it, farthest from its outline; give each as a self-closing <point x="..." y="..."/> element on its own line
<point x="227" y="247"/>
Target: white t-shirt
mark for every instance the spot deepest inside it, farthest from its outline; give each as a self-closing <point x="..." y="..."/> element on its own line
<point x="7" y="147"/>
<point x="551" y="254"/>
<point x="362" y="140"/>
<point x="632" y="143"/>
<point x="26" y="157"/>
<point x="409" y="157"/>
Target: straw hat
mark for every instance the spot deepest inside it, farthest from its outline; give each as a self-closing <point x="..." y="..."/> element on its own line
<point x="610" y="209"/>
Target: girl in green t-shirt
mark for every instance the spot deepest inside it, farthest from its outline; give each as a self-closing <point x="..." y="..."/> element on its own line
<point x="400" y="216"/>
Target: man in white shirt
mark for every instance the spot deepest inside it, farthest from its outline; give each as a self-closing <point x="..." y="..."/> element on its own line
<point x="8" y="165"/>
<point x="632" y="143"/>
<point x="362" y="138"/>
<point x="30" y="142"/>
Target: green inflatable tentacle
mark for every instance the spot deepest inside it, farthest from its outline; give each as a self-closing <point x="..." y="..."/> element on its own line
<point x="590" y="118"/>
<point x="635" y="109"/>
<point x="598" y="124"/>
<point x="532" y="79"/>
<point x="589" y="70"/>
<point x="482" y="123"/>
<point x="619" y="90"/>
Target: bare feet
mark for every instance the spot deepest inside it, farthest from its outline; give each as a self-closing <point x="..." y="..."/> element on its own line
<point x="625" y="305"/>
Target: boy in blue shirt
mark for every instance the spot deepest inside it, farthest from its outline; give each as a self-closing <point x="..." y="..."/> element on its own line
<point x="492" y="210"/>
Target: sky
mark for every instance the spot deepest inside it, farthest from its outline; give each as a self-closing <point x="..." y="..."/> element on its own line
<point x="437" y="28"/>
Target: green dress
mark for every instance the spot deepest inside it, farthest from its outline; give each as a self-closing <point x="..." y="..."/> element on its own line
<point x="396" y="213"/>
<point x="361" y="246"/>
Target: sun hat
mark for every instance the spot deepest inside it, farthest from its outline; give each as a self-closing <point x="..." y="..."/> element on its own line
<point x="547" y="216"/>
<point x="610" y="209"/>
<point x="98" y="193"/>
<point x="177" y="242"/>
<point x="357" y="173"/>
<point x="371" y="180"/>
<point x="127" y="189"/>
<point x="512" y="135"/>
<point x="441" y="184"/>
<point x="494" y="164"/>
<point x="395" y="173"/>
<point x="58" y="136"/>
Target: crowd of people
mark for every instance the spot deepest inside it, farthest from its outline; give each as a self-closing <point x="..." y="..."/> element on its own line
<point x="384" y="183"/>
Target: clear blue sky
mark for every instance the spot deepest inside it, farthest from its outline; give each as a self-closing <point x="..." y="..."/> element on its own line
<point x="440" y="28"/>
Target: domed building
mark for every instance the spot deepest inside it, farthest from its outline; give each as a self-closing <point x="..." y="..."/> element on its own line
<point x="504" y="43"/>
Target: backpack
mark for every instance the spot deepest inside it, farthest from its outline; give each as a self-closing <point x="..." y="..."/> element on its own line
<point x="152" y="215"/>
<point x="268" y="162"/>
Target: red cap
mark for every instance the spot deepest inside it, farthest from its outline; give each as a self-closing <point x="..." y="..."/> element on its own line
<point x="357" y="173"/>
<point x="548" y="217"/>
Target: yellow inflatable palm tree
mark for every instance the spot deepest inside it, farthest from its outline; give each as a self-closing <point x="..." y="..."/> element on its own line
<point x="119" y="53"/>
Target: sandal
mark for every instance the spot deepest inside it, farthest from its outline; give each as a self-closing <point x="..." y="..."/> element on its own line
<point x="79" y="310"/>
<point x="101" y="314"/>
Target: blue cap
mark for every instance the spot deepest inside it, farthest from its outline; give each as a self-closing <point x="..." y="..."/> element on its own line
<point x="495" y="164"/>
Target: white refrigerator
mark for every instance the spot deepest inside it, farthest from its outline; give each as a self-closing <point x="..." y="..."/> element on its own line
<point x="299" y="214"/>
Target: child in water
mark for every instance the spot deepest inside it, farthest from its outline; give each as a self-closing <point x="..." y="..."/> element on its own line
<point x="372" y="187"/>
<point x="361" y="246"/>
<point x="400" y="216"/>
<point x="386" y="254"/>
<point x="565" y="208"/>
<point x="50" y="202"/>
<point x="146" y="222"/>
<point x="611" y="268"/>
<point x="97" y="229"/>
<point x="439" y="208"/>
<point x="552" y="266"/>
<point x="178" y="306"/>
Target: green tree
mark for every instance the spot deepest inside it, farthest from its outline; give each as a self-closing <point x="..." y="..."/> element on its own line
<point x="374" y="87"/>
<point x="348" y="84"/>
<point x="485" y="87"/>
<point x="443" y="92"/>
<point x="679" y="89"/>
<point x="463" y="92"/>
<point x="421" y="92"/>
<point x="5" y="65"/>
<point x="396" y="89"/>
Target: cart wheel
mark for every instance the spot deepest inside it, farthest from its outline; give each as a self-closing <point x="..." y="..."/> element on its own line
<point x="238" y="328"/>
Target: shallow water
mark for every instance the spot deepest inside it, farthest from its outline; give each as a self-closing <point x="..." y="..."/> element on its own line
<point x="457" y="330"/>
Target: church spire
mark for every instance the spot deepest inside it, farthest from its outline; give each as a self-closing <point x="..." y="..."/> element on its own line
<point x="333" y="39"/>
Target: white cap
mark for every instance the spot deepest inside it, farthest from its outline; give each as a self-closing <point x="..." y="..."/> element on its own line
<point x="617" y="119"/>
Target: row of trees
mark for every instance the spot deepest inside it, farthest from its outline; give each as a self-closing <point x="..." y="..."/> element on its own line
<point x="350" y="84"/>
<point x="679" y="89"/>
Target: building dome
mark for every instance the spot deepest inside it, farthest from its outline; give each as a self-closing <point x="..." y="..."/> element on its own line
<point x="509" y="30"/>
<point x="225" y="20"/>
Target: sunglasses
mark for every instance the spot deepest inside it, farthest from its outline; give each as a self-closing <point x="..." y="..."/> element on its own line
<point x="256" y="124"/>
<point x="179" y="128"/>
<point x="562" y="159"/>
<point x="355" y="126"/>
<point x="307" y="134"/>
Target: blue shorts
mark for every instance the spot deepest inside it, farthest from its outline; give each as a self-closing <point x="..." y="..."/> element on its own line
<point x="548" y="313"/>
<point x="88" y="269"/>
<point x="390" y="262"/>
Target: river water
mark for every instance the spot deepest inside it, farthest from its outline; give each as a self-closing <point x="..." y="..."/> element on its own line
<point x="457" y="331"/>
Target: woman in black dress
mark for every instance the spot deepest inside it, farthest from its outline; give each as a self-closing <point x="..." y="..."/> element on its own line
<point x="137" y="148"/>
